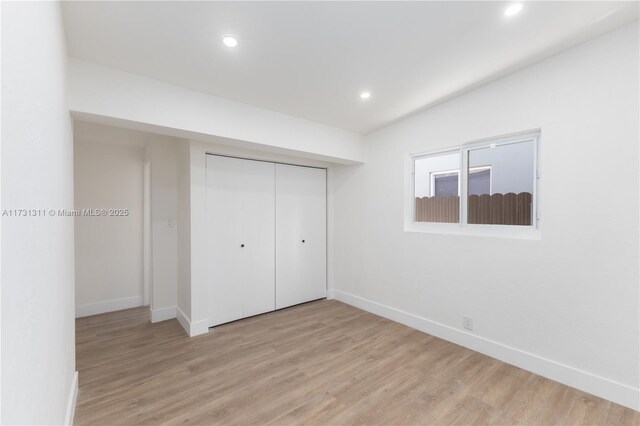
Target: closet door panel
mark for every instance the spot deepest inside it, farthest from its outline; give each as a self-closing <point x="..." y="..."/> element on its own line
<point x="258" y="219"/>
<point x="240" y="218"/>
<point x="300" y="234"/>
<point x="224" y="232"/>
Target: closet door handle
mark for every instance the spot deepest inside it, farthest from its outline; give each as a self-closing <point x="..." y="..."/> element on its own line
<point x="303" y="241"/>
<point x="241" y="245"/>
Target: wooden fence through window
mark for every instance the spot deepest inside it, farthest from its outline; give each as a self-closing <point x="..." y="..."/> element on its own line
<point x="495" y="209"/>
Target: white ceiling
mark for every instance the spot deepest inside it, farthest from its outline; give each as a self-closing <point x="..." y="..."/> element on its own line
<point x="312" y="59"/>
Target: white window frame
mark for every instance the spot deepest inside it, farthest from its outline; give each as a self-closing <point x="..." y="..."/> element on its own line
<point x="432" y="178"/>
<point x="532" y="232"/>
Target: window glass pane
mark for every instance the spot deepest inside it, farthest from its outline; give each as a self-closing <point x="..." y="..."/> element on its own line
<point x="437" y="188"/>
<point x="480" y="181"/>
<point x="445" y="184"/>
<point x="500" y="184"/>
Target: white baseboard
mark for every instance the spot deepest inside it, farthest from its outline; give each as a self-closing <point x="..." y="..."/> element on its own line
<point x="108" y="306"/>
<point x="71" y="401"/>
<point x="184" y="320"/>
<point x="192" y="328"/>
<point x="570" y="376"/>
<point x="163" y="314"/>
<point x="331" y="294"/>
<point x="199" y="327"/>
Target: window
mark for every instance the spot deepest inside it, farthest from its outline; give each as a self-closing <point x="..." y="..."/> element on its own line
<point x="492" y="183"/>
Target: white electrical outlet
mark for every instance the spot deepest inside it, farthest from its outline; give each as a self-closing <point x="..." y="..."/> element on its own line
<point x="467" y="323"/>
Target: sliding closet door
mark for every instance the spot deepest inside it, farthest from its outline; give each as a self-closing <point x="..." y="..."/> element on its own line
<point x="301" y="234"/>
<point x="240" y="226"/>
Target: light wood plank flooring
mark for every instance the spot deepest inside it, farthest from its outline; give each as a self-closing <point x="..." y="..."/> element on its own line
<point x="319" y="363"/>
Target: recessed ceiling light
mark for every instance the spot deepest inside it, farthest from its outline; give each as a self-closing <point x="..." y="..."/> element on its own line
<point x="513" y="9"/>
<point x="230" y="41"/>
<point x="365" y="95"/>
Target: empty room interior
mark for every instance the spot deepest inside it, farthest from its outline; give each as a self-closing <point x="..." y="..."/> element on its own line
<point x="320" y="213"/>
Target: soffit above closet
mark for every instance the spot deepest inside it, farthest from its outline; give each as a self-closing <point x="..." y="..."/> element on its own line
<point x="313" y="59"/>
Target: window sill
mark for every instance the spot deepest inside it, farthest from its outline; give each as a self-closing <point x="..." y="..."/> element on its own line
<point x="492" y="231"/>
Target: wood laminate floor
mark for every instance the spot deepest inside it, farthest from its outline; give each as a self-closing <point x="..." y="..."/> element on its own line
<point x="319" y="363"/>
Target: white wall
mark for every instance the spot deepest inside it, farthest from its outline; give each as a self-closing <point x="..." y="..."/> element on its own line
<point x="108" y="174"/>
<point x="38" y="342"/>
<point x="163" y="154"/>
<point x="115" y="97"/>
<point x="184" y="230"/>
<point x="565" y="306"/>
<point x="116" y="170"/>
